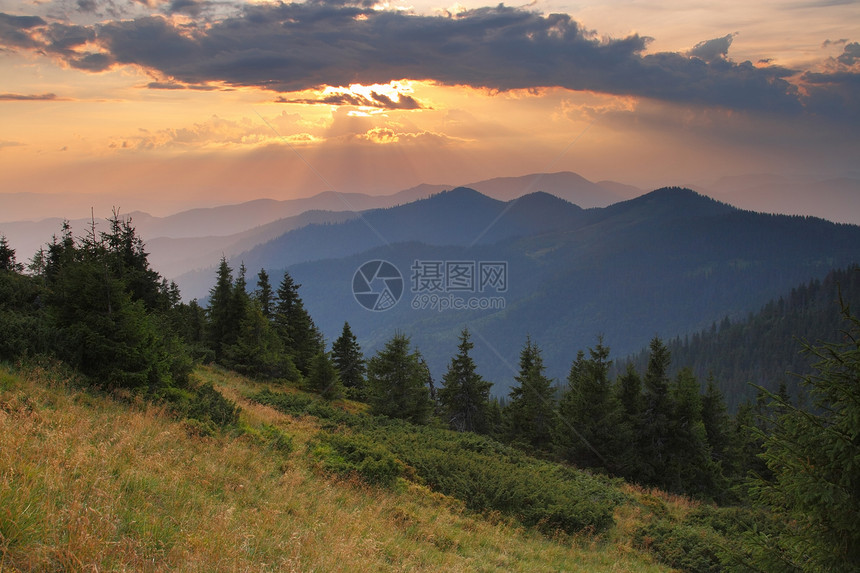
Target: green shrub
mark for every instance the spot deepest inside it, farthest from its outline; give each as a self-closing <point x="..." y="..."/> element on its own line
<point x="356" y="456"/>
<point x="299" y="404"/>
<point x="486" y="475"/>
<point x="207" y="404"/>
<point x="682" y="546"/>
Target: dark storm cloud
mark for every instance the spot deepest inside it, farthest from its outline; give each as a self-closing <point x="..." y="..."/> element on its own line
<point x="833" y="95"/>
<point x="15" y="31"/>
<point x="299" y="46"/>
<point x="377" y="100"/>
<point x="92" y="62"/>
<point x="291" y="47"/>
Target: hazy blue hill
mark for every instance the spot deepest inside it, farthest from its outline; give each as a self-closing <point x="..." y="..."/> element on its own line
<point x="669" y="263"/>
<point x="458" y="217"/>
<point x="565" y="185"/>
<point x="173" y="257"/>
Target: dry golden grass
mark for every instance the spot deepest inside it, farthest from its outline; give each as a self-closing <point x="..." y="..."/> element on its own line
<point x="89" y="483"/>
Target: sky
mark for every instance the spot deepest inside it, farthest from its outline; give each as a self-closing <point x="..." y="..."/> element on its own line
<point x="160" y="105"/>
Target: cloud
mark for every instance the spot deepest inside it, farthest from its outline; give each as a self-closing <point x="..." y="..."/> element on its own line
<point x="386" y="135"/>
<point x="88" y="6"/>
<point x="711" y="50"/>
<point x="220" y="133"/>
<point x="190" y="7"/>
<point x="838" y="42"/>
<point x="850" y="54"/>
<point x="294" y="47"/>
<point x="375" y="100"/>
<point x="833" y="95"/>
<point x="17" y="31"/>
<point x="29" y="97"/>
<point x="6" y="143"/>
<point x="179" y="86"/>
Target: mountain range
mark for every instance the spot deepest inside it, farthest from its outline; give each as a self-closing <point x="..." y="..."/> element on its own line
<point x="666" y="263"/>
<point x="579" y="261"/>
<point x="197" y="238"/>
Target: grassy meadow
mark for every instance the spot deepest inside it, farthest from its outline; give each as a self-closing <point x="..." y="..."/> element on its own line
<point x="105" y="482"/>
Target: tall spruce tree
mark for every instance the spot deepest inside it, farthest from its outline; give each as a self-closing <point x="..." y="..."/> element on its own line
<point x="654" y="438"/>
<point x="264" y="295"/>
<point x="689" y="467"/>
<point x="323" y="377"/>
<point x="294" y="325"/>
<point x="396" y="382"/>
<point x="464" y="395"/>
<point x="222" y="328"/>
<point x="7" y="257"/>
<point x="101" y="328"/>
<point x="589" y="413"/>
<point x="814" y="457"/>
<point x="628" y="391"/>
<point x="716" y="420"/>
<point x="530" y="414"/>
<point x="350" y="364"/>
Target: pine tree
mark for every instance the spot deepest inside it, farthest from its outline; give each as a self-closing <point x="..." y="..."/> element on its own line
<point x="716" y="421"/>
<point x="264" y="295"/>
<point x="102" y="330"/>
<point x="814" y="490"/>
<point x="7" y="257"/>
<point x="628" y="392"/>
<point x="588" y="412"/>
<point x="128" y="261"/>
<point x="530" y="415"/>
<point x="222" y="329"/>
<point x="689" y="467"/>
<point x="294" y="325"/>
<point x="396" y="382"/>
<point x="464" y="395"/>
<point x="350" y="363"/>
<point x="240" y="302"/>
<point x="323" y="377"/>
<point x="656" y="414"/>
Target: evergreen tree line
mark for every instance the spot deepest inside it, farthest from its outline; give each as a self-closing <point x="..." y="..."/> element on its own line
<point x="762" y="349"/>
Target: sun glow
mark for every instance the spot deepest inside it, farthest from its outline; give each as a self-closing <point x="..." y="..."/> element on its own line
<point x="392" y="90"/>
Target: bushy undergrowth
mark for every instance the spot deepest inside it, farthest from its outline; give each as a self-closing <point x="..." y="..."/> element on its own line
<point x="682" y="546"/>
<point x="707" y="539"/>
<point x="486" y="475"/>
<point x="300" y="404"/>
<point x="356" y="456"/>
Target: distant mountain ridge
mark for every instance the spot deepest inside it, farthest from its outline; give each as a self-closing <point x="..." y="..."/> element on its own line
<point x="207" y="226"/>
<point x="669" y="262"/>
<point x="835" y="199"/>
<point x="460" y="217"/>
